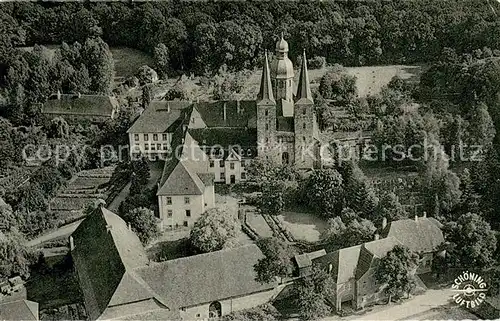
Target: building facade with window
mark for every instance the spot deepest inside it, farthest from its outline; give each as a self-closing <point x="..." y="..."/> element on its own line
<point x="118" y="282"/>
<point x="186" y="187"/>
<point x="280" y="125"/>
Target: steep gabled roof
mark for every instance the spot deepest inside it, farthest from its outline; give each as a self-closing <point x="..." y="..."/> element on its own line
<point x="19" y="310"/>
<point x="182" y="181"/>
<point x="265" y="96"/>
<point x="422" y="235"/>
<point x="104" y="249"/>
<point x="88" y="105"/>
<point x="195" y="119"/>
<point x="207" y="277"/>
<point x="131" y="289"/>
<point x="160" y="117"/>
<point x="343" y="262"/>
<point x="304" y="95"/>
<point x="371" y="251"/>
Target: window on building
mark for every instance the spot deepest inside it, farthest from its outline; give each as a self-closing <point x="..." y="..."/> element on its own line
<point x="304" y="125"/>
<point x="188" y="213"/>
<point x="231" y="165"/>
<point x="304" y="111"/>
<point x="221" y="163"/>
<point x="187" y="200"/>
<point x="266" y="113"/>
<point x="164" y="136"/>
<point x="243" y="175"/>
<point x="153" y="147"/>
<point x="185" y="224"/>
<point x="211" y="163"/>
<point x="158" y="146"/>
<point x="136" y="136"/>
<point x="155" y="137"/>
<point x="146" y="137"/>
<point x="146" y="146"/>
<point x="165" y="146"/>
<point x="169" y="200"/>
<point x="183" y="309"/>
<point x="304" y="139"/>
<point x="222" y="176"/>
<point x="267" y="126"/>
<point x="169" y="213"/>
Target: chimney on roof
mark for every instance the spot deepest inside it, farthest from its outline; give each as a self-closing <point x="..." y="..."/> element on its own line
<point x="71" y="243"/>
<point x="129" y="226"/>
<point x="416" y="218"/>
<point x="109" y="228"/>
<point x="384" y="222"/>
<point x="168" y="107"/>
<point x="225" y="112"/>
<point x="425" y="214"/>
<point x="238" y="107"/>
<point x="376" y="237"/>
<point x="79" y="95"/>
<point x="58" y="94"/>
<point x="330" y="268"/>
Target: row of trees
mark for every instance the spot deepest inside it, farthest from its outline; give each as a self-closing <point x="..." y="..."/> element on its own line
<point x="203" y="36"/>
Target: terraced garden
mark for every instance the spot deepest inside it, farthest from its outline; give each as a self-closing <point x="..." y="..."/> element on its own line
<point x="84" y="189"/>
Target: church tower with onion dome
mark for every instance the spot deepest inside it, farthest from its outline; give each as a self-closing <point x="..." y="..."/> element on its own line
<point x="287" y="129"/>
<point x="282" y="72"/>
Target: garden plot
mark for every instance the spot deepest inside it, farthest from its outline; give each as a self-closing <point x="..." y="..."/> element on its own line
<point x="86" y="188"/>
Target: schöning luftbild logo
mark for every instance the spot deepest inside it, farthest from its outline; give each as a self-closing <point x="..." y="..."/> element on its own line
<point x="471" y="289"/>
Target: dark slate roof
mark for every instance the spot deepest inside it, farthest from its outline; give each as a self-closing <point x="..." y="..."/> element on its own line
<point x="244" y="137"/>
<point x="104" y="249"/>
<point x="240" y="113"/>
<point x="92" y="105"/>
<point x="19" y="310"/>
<point x="304" y="94"/>
<point x="265" y="95"/>
<point x="160" y="117"/>
<point x="207" y="277"/>
<point x="422" y="235"/>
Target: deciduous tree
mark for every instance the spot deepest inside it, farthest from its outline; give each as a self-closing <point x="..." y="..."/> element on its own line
<point x="144" y="223"/>
<point x="213" y="230"/>
<point x="397" y="270"/>
<point x="277" y="261"/>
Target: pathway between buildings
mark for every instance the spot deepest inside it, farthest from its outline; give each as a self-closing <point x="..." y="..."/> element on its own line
<point x="409" y="309"/>
<point x="65" y="230"/>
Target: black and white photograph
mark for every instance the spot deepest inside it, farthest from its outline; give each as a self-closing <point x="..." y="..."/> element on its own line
<point x="249" y="160"/>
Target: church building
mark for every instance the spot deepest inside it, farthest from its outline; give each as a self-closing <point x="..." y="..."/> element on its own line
<point x="204" y="143"/>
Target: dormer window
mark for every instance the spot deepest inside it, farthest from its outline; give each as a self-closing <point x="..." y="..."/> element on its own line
<point x="304" y="111"/>
<point x="266" y="113"/>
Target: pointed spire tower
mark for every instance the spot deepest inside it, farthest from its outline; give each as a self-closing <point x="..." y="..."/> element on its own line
<point x="265" y="95"/>
<point x="306" y="128"/>
<point x="266" y="114"/>
<point x="304" y="88"/>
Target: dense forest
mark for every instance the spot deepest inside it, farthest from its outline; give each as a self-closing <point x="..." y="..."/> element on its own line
<point x="202" y="36"/>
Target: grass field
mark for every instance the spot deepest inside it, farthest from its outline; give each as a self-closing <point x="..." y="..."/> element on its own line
<point x="303" y="226"/>
<point x="128" y="60"/>
<point x="370" y="79"/>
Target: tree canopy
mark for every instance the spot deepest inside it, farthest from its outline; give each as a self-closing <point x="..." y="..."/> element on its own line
<point x="214" y="230"/>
